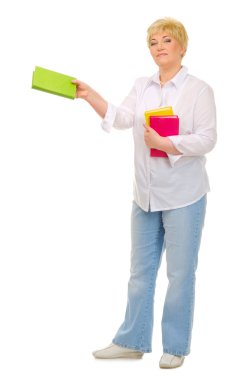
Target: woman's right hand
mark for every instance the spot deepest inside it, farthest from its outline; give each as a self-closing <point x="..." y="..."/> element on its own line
<point x="83" y="90"/>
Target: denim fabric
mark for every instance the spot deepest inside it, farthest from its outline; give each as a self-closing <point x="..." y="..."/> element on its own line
<point x="178" y="232"/>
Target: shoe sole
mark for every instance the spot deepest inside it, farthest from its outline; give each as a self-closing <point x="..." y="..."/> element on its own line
<point x="128" y="355"/>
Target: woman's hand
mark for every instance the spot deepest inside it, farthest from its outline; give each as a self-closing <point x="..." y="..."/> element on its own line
<point x="83" y="90"/>
<point x="152" y="138"/>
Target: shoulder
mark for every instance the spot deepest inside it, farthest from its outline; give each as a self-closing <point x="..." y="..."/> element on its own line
<point x="142" y="81"/>
<point x="141" y="84"/>
<point x="197" y="85"/>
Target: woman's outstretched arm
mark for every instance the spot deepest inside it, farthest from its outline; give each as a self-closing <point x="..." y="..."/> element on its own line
<point x="96" y="101"/>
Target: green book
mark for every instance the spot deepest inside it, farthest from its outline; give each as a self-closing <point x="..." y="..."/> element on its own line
<point x="53" y="82"/>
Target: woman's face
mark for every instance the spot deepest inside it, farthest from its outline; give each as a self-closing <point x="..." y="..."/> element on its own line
<point x="165" y="50"/>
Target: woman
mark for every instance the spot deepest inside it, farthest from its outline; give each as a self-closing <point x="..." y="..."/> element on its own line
<point x="169" y="194"/>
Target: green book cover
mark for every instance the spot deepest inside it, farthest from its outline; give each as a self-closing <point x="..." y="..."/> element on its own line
<point x="53" y="82"/>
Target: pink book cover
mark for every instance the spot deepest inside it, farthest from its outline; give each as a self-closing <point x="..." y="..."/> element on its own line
<point x="164" y="126"/>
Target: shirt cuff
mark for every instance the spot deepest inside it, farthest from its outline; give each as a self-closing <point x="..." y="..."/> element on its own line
<point x="109" y="118"/>
<point x="175" y="157"/>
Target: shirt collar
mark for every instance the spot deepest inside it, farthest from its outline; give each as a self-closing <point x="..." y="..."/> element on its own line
<point x="177" y="80"/>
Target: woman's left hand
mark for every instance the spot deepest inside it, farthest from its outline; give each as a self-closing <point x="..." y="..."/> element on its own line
<point x="152" y="138"/>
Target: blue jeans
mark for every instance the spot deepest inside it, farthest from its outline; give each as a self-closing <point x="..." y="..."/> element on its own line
<point x="178" y="232"/>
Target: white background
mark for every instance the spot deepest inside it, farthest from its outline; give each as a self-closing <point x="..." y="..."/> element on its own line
<point x="66" y="190"/>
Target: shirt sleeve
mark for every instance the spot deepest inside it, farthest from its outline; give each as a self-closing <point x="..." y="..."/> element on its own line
<point x="203" y="137"/>
<point x="121" y="117"/>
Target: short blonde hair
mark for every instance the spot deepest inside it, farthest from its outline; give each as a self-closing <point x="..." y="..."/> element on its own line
<point x="175" y="28"/>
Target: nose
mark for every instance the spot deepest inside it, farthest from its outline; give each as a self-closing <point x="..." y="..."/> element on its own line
<point x="160" y="45"/>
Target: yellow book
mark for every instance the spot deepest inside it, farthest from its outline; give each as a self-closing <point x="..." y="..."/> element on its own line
<point x="164" y="111"/>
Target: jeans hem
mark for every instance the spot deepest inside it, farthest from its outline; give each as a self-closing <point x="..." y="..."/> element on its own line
<point x="135" y="348"/>
<point x="176" y="353"/>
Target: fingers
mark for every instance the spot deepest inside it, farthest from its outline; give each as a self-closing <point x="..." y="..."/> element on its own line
<point x="76" y="81"/>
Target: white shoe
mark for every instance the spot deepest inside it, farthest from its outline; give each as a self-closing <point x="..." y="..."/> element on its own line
<point x="171" y="361"/>
<point x="116" y="352"/>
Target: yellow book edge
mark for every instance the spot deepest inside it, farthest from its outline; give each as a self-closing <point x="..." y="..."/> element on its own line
<point x="163" y="111"/>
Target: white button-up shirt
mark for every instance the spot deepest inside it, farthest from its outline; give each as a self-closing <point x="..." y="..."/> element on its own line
<point x="178" y="180"/>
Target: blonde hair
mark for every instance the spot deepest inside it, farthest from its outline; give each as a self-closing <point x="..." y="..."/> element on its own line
<point x="175" y="28"/>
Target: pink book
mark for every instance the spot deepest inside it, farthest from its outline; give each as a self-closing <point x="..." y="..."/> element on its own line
<point x="164" y="126"/>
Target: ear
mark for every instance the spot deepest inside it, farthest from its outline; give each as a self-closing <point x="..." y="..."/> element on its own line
<point x="182" y="52"/>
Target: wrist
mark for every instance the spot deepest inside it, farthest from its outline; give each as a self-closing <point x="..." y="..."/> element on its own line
<point x="90" y="95"/>
<point x="165" y="144"/>
<point x="168" y="147"/>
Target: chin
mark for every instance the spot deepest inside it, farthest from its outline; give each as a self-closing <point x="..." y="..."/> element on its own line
<point x="163" y="60"/>
<point x="164" y="64"/>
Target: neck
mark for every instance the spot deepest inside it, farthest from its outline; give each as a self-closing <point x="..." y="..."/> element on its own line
<point x="167" y="74"/>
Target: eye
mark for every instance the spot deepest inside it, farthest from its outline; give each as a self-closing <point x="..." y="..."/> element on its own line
<point x="153" y="43"/>
<point x="167" y="40"/>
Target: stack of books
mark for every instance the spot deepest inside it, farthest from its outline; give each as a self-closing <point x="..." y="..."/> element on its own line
<point x="53" y="82"/>
<point x="165" y="123"/>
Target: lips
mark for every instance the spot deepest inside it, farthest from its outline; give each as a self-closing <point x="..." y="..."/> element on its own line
<point x="161" y="54"/>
